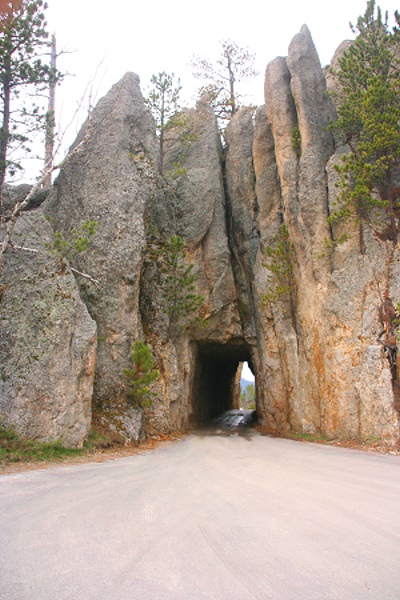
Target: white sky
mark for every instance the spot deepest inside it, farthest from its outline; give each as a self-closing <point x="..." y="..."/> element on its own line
<point x="246" y="373"/>
<point x="111" y="38"/>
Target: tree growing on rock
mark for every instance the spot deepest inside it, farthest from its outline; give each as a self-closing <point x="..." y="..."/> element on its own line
<point x="368" y="103"/>
<point x="232" y="66"/>
<point x="279" y="262"/>
<point x="178" y="283"/>
<point x="141" y="375"/>
<point x="163" y="101"/>
<point x="24" y="75"/>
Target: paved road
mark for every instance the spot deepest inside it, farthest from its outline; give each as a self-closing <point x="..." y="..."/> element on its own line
<point x="213" y="517"/>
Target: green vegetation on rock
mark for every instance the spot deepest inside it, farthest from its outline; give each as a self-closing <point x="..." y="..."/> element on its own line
<point x="163" y="101"/>
<point x="279" y="262"/>
<point x="178" y="283"/>
<point x="77" y="242"/>
<point x="368" y="103"/>
<point x="141" y="375"/>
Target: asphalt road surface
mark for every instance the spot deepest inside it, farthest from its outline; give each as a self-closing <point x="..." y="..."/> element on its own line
<point x="221" y="517"/>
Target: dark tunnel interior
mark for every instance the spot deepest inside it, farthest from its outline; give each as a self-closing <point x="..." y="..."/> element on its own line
<point x="214" y="382"/>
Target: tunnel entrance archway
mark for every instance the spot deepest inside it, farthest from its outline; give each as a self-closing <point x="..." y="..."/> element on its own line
<point x="216" y="387"/>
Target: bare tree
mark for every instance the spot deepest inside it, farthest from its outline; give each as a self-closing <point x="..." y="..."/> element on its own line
<point x="50" y="116"/>
<point x="233" y="65"/>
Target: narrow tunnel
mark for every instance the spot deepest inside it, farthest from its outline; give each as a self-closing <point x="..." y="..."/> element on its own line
<point x="216" y="387"/>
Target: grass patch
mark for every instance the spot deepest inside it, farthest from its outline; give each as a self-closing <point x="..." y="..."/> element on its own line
<point x="316" y="438"/>
<point x="15" y="448"/>
<point x="18" y="449"/>
<point x="100" y="439"/>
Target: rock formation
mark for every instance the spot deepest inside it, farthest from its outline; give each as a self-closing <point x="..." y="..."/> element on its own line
<point x="111" y="178"/>
<point x="338" y="379"/>
<point x="315" y="347"/>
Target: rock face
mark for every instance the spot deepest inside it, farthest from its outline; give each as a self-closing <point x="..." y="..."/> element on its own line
<point x="314" y="339"/>
<point x="47" y="342"/>
<point x="335" y="372"/>
<point x="111" y="178"/>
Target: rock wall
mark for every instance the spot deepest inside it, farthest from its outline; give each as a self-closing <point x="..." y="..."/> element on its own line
<point x="194" y="208"/>
<point x="317" y="353"/>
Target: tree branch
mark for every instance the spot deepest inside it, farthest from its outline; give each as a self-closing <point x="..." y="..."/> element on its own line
<point x="20" y="206"/>
<point x="85" y="275"/>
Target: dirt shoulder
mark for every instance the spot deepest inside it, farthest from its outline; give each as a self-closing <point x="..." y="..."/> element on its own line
<point x="118" y="451"/>
<point x="97" y="456"/>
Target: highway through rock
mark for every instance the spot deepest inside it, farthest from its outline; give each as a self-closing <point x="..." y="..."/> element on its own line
<point x="218" y="515"/>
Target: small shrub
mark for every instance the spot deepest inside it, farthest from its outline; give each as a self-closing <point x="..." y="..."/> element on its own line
<point x="77" y="242"/>
<point x="296" y="141"/>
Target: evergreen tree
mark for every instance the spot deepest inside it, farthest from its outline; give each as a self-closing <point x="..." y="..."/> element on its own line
<point x="22" y="40"/>
<point x="163" y="101"/>
<point x="368" y="104"/>
<point x="280" y="256"/>
<point x="233" y="65"/>
<point x="178" y="282"/>
<point x="141" y="375"/>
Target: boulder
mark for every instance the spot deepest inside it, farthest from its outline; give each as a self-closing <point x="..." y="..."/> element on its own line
<point x="47" y="341"/>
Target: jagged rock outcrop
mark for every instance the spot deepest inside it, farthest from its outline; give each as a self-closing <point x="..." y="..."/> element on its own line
<point x="111" y="177"/>
<point x="47" y="341"/>
<point x="242" y="210"/>
<point x="337" y="376"/>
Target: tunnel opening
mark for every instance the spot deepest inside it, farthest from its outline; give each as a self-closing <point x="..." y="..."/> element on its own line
<point x="217" y="379"/>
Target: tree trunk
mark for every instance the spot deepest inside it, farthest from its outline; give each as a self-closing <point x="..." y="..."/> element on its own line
<point x="231" y="86"/>
<point x="162" y="126"/>
<point x="50" y="116"/>
<point x="5" y="131"/>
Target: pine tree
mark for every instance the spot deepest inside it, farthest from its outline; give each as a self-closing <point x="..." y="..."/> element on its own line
<point x="22" y="41"/>
<point x="178" y="282"/>
<point x="163" y="101"/>
<point x="368" y="104"/>
<point x="280" y="256"/>
<point x="141" y="375"/>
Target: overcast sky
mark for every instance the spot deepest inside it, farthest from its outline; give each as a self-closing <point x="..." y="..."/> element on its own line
<point x="110" y="38"/>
